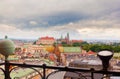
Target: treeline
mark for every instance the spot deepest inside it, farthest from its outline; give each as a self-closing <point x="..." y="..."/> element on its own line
<point x="115" y="47"/>
<point x="100" y="47"/>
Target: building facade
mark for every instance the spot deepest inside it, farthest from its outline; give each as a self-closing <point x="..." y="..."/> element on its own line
<point x="45" y="40"/>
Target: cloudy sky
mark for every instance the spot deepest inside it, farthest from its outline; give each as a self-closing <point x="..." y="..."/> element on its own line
<point x="82" y="19"/>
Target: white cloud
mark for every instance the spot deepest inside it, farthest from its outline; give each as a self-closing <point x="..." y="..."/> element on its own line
<point x="33" y="22"/>
<point x="101" y="28"/>
<point x="6" y="28"/>
<point x="13" y="32"/>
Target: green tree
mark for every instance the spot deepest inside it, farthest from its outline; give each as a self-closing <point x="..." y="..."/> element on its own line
<point x="116" y="48"/>
<point x="64" y="44"/>
<point x="95" y="47"/>
<point x="86" y="47"/>
<point x="76" y="44"/>
<point x="106" y="47"/>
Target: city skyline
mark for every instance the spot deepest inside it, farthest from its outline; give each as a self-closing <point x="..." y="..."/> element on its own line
<point x="89" y="19"/>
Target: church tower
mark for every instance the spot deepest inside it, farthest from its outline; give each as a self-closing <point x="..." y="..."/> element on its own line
<point x="61" y="37"/>
<point x="68" y="38"/>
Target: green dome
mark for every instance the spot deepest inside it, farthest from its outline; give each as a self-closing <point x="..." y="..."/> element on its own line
<point x="7" y="47"/>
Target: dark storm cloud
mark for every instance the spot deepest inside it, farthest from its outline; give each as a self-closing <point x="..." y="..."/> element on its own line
<point x="75" y="16"/>
<point x="47" y="21"/>
<point x="39" y="14"/>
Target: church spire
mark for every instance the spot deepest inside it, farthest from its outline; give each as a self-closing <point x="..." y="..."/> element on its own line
<point x="61" y="37"/>
<point x="68" y="36"/>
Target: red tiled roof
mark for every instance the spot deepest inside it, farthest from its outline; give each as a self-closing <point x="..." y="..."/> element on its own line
<point x="91" y="53"/>
<point x="47" y="38"/>
<point x="77" y="40"/>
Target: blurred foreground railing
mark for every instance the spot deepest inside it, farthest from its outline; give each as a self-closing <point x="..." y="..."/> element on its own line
<point x="45" y="72"/>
